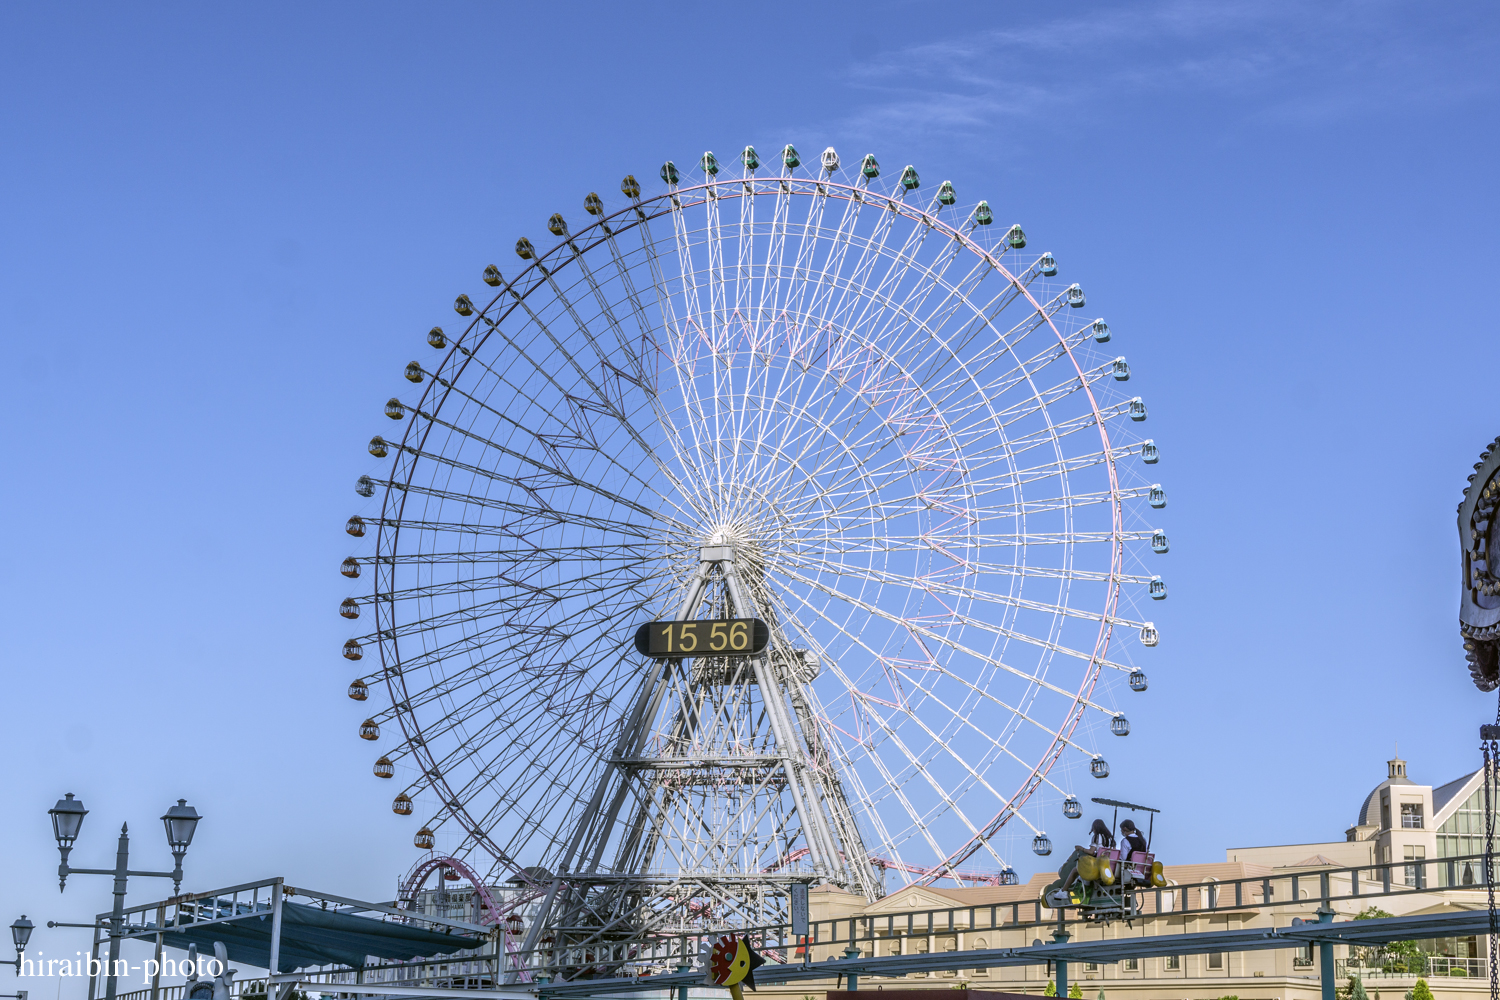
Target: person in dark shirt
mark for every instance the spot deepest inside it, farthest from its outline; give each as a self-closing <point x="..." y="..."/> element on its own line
<point x="1132" y="836"/>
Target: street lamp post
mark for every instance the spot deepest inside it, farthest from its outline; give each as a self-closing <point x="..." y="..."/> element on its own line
<point x="180" y="822"/>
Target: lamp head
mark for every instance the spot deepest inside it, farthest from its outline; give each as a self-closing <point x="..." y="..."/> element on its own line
<point x="67" y="820"/>
<point x="20" y="933"/>
<point x="180" y="821"/>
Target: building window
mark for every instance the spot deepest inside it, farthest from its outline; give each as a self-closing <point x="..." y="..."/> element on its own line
<point x="1216" y="960"/>
<point x="1302" y="958"/>
<point x="1411" y="815"/>
<point x="1090" y="966"/>
<point x="1132" y="965"/>
<point x="949" y="945"/>
<point x="979" y="945"/>
<point x="1174" y="962"/>
<point x="1385" y="815"/>
<point x="1462" y="835"/>
<point x="1416" y="875"/>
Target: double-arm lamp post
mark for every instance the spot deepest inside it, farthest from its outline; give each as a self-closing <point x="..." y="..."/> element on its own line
<point x="67" y="819"/>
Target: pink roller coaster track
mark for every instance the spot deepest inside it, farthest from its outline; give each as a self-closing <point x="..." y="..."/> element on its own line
<point x="491" y="912"/>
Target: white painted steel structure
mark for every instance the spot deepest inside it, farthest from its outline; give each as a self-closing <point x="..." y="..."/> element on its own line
<point x="819" y="397"/>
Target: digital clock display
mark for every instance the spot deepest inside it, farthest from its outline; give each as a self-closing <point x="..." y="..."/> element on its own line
<point x="715" y="637"/>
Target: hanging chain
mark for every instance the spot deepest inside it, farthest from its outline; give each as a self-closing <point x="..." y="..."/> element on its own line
<point x="1489" y="737"/>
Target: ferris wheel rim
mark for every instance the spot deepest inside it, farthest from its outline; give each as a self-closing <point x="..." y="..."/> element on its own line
<point x="830" y="189"/>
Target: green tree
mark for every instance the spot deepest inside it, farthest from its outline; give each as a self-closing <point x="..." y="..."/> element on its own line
<point x="1051" y="990"/>
<point x="1075" y="992"/>
<point x="1101" y="994"/>
<point x="1394" y="956"/>
<point x="1421" y="991"/>
<point x="1357" y="989"/>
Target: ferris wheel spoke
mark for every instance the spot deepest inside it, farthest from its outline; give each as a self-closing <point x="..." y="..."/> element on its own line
<point x="554" y="442"/>
<point x="607" y="309"/>
<point x="1018" y="603"/>
<point x="555" y="779"/>
<point x="716" y="279"/>
<point x="894" y="783"/>
<point x="527" y="511"/>
<point x="979" y="481"/>
<point x="852" y="290"/>
<point x="532" y="575"/>
<point x="925" y="769"/>
<point x="745" y="261"/>
<point x="637" y="309"/>
<point x="520" y="671"/>
<point x="932" y="665"/>
<point x="560" y="295"/>
<point x="467" y="645"/>
<point x="473" y="614"/>
<point x="838" y="249"/>
<point x="986" y="315"/>
<point x="770" y="287"/>
<point x="955" y="295"/>
<point x="937" y="581"/>
<point x="917" y="543"/>
<point x="580" y="372"/>
<point x="1046" y="397"/>
<point x="490" y="581"/>
<point x="582" y="718"/>
<point x="807" y="243"/>
<point x="1054" y="434"/>
<point x="549" y="553"/>
<point x="1000" y="746"/>
<point x="544" y="477"/>
<point x="939" y="636"/>
<point x="528" y="521"/>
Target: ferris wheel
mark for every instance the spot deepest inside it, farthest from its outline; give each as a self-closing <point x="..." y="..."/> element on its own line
<point x="816" y="395"/>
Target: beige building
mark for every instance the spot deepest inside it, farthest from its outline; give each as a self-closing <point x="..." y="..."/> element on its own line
<point x="1399" y="821"/>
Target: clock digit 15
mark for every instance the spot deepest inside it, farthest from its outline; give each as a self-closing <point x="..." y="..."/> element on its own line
<point x="696" y="637"/>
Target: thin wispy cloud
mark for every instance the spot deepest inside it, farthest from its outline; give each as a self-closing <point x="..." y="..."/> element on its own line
<point x="1258" y="62"/>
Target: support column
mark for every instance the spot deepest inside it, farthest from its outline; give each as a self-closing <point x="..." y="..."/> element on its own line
<point x="1061" y="937"/>
<point x="94" y="963"/>
<point x="273" y="971"/>
<point x="117" y="916"/>
<point x="161" y="920"/>
<point x="1325" y="955"/>
<point x="852" y="952"/>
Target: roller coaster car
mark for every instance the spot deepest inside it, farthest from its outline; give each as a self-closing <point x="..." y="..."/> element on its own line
<point x="1107" y="884"/>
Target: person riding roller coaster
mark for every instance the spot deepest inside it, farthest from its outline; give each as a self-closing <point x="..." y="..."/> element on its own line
<point x="1133" y="837"/>
<point x="1067" y="873"/>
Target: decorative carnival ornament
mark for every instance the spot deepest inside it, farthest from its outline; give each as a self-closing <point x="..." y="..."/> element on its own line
<point x="1479" y="600"/>
<point x="731" y="962"/>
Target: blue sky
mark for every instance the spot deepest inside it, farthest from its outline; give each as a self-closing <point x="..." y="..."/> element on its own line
<point x="227" y="228"/>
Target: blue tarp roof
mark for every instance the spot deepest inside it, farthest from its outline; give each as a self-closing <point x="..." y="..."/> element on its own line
<point x="314" y="936"/>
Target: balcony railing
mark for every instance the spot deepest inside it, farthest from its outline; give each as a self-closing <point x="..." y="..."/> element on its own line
<point x="1436" y="965"/>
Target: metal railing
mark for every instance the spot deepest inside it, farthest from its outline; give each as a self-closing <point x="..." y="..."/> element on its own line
<point x="1426" y="965"/>
<point x="178" y="992"/>
<point x="883" y="933"/>
<point x="586" y="950"/>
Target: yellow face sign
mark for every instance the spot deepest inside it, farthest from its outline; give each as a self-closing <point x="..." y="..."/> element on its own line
<point x="733" y="962"/>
